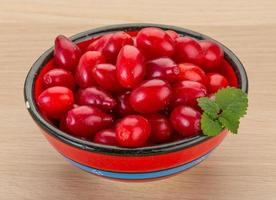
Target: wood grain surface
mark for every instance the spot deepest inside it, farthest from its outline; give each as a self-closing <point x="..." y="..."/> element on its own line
<point x="243" y="167"/>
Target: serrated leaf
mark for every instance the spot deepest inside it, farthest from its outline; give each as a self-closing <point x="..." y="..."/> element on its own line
<point x="230" y="121"/>
<point x="209" y="126"/>
<point x="233" y="99"/>
<point x="209" y="106"/>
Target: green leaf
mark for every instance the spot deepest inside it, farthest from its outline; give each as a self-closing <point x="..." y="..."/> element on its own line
<point x="209" y="126"/>
<point x="208" y="106"/>
<point x="232" y="99"/>
<point x="230" y="120"/>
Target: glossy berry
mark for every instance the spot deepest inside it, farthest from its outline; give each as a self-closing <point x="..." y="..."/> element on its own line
<point x="155" y="42"/>
<point x="212" y="55"/>
<point x="83" y="74"/>
<point x="63" y="125"/>
<point x="186" y="121"/>
<point x="130" y="67"/>
<point x="132" y="131"/>
<point x="188" y="50"/>
<point x="100" y="43"/>
<point x="150" y="97"/>
<point x="172" y="34"/>
<point x="66" y="53"/>
<point x="114" y="45"/>
<point x="187" y="92"/>
<point x="105" y="76"/>
<point x="162" y="68"/>
<point x="96" y="97"/>
<point x="161" y="129"/>
<point x="58" y="77"/>
<point x="191" y="72"/>
<point x="107" y="137"/>
<point x="215" y="82"/>
<point x="56" y="101"/>
<point x="123" y="106"/>
<point x="84" y="121"/>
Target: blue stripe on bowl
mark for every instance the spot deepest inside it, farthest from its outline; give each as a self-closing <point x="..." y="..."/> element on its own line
<point x="139" y="176"/>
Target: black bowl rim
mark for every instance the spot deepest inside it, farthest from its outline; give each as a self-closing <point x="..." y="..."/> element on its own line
<point x="112" y="150"/>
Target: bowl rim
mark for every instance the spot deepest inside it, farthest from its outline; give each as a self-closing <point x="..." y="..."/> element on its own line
<point x="112" y="150"/>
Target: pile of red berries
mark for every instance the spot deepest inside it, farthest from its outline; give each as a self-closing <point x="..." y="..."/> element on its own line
<point x="131" y="91"/>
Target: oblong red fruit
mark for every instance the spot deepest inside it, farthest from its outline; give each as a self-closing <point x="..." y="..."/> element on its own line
<point x="66" y="53"/>
<point x="84" y="121"/>
<point x="130" y="67"/>
<point x="83" y="75"/>
<point x="150" y="97"/>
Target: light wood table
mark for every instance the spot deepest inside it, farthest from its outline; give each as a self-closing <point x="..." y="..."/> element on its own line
<point x="243" y="167"/>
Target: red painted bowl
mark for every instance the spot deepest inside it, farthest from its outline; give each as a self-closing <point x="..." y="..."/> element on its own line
<point x="143" y="163"/>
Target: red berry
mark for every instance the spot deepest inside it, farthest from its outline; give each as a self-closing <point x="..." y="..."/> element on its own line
<point x="188" y="50"/>
<point x="186" y="121"/>
<point x="161" y="130"/>
<point x="58" y="77"/>
<point x="124" y="107"/>
<point x="100" y="43"/>
<point x="154" y="42"/>
<point x="132" y="131"/>
<point x="114" y="45"/>
<point x="107" y="137"/>
<point x="213" y="55"/>
<point x="84" y="121"/>
<point x="63" y="125"/>
<point x="87" y="62"/>
<point x="191" y="72"/>
<point x="130" y="67"/>
<point x="163" y="68"/>
<point x="105" y="76"/>
<point x="66" y="53"/>
<point x="216" y="82"/>
<point x="55" y="101"/>
<point x="151" y="96"/>
<point x="172" y="34"/>
<point x="95" y="96"/>
<point x="187" y="92"/>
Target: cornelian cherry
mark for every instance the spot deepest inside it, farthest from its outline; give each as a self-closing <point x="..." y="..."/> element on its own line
<point x="150" y="97"/>
<point x="191" y="72"/>
<point x="172" y="34"/>
<point x="188" y="50"/>
<point x="212" y="55"/>
<point x="123" y="106"/>
<point x="215" y="82"/>
<point x="161" y="129"/>
<point x="83" y="74"/>
<point x="163" y="68"/>
<point x="114" y="45"/>
<point x="130" y="67"/>
<point x="107" y="137"/>
<point x="56" y="101"/>
<point x="186" y="121"/>
<point x="105" y="76"/>
<point x="58" y="77"/>
<point x="155" y="42"/>
<point x="66" y="53"/>
<point x="84" y="121"/>
<point x="96" y="97"/>
<point x="132" y="131"/>
<point x="187" y="92"/>
<point x="111" y="44"/>
<point x="100" y="43"/>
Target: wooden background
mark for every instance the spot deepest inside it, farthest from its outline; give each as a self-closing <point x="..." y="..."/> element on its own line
<point x="243" y="167"/>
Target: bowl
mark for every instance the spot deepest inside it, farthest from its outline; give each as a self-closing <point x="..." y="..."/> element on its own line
<point x="135" y="164"/>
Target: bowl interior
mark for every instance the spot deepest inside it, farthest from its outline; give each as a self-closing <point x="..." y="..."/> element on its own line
<point x="232" y="69"/>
